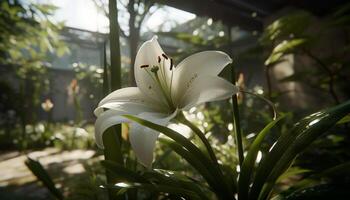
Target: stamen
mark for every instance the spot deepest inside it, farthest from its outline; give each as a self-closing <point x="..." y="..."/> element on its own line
<point x="143" y="66"/>
<point x="159" y="59"/>
<point x="171" y="64"/>
<point x="155" y="69"/>
<point x="165" y="56"/>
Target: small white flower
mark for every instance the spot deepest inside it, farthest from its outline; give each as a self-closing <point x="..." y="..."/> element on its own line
<point x="162" y="91"/>
<point x="47" y="105"/>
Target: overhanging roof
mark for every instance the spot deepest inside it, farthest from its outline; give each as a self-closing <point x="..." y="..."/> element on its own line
<point x="249" y="14"/>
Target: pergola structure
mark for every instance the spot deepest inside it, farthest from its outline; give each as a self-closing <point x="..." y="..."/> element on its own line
<point x="249" y="14"/>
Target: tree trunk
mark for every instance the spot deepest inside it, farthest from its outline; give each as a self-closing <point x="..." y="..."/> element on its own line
<point x="133" y="42"/>
<point x="134" y="35"/>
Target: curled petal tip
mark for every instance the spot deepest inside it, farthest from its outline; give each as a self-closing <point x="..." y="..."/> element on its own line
<point x="154" y="38"/>
<point x="226" y="57"/>
<point x="230" y="61"/>
<point x="98" y="111"/>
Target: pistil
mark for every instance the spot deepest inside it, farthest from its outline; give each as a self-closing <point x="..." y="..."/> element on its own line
<point x="155" y="70"/>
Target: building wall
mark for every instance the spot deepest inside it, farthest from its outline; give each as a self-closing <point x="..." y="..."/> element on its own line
<point x="84" y="47"/>
<point x="300" y="95"/>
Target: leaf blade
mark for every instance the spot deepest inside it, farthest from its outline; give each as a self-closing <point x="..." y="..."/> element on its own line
<point x="248" y="163"/>
<point x="292" y="143"/>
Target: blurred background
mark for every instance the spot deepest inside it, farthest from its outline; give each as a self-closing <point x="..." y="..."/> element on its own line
<point x="52" y="58"/>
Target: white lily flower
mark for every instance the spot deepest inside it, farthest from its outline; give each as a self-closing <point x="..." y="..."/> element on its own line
<point x="162" y="91"/>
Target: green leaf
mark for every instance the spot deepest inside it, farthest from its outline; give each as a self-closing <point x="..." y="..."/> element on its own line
<point x="282" y="28"/>
<point x="160" y="188"/>
<point x="122" y="172"/>
<point x="292" y="172"/>
<point x="283" y="48"/>
<point x="332" y="173"/>
<point x="344" y="120"/>
<point x="185" y="37"/>
<point x="322" y="192"/>
<point x="249" y="161"/>
<point x="194" y="153"/>
<point x="174" y="178"/>
<point x="38" y="170"/>
<point x="181" y="118"/>
<point x="193" y="161"/>
<point x="343" y="10"/>
<point x="340" y="170"/>
<point x="290" y="144"/>
<point x="156" y="177"/>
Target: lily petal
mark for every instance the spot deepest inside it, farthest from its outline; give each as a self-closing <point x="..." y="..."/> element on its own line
<point x="207" y="89"/>
<point x="146" y="58"/>
<point x="206" y="63"/>
<point x="128" y="100"/>
<point x="143" y="139"/>
<point x="104" y="121"/>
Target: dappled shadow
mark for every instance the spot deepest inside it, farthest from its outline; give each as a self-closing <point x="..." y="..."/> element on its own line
<point x="18" y="182"/>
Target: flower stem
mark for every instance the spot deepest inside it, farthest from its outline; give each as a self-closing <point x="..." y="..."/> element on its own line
<point x="236" y="120"/>
<point x="112" y="137"/>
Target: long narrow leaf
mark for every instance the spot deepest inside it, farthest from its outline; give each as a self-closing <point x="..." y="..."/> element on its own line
<point x="189" y="146"/>
<point x="155" y="177"/>
<point x="38" y="170"/>
<point x="172" y="178"/>
<point x="249" y="161"/>
<point x="341" y="170"/>
<point x="122" y="172"/>
<point x="267" y="163"/>
<point x="307" y="131"/>
<point x="160" y="188"/>
<point x="202" y="169"/>
<point x="321" y="192"/>
<point x="311" y="132"/>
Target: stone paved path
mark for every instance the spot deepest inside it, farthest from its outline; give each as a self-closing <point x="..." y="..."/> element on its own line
<point x="16" y="180"/>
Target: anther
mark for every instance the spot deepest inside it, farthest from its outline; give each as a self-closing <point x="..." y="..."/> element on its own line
<point x="171" y="64"/>
<point x="165" y="56"/>
<point x="159" y="59"/>
<point x="143" y="66"/>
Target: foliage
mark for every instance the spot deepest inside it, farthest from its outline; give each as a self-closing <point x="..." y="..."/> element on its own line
<point x="136" y="13"/>
<point x="205" y="35"/>
<point x="273" y="165"/>
<point x="257" y="179"/>
<point x="91" y="80"/>
<point x="203" y="165"/>
<point x="302" y="34"/>
<point x="26" y="37"/>
<point x="44" y="134"/>
<point x="39" y="171"/>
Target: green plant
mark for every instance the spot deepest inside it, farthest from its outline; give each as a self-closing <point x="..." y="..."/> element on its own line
<point x="38" y="170"/>
<point x="303" y="35"/>
<point x="27" y="37"/>
<point x="210" y="178"/>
